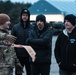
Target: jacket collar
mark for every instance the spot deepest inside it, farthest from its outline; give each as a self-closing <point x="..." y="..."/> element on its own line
<point x="65" y="32"/>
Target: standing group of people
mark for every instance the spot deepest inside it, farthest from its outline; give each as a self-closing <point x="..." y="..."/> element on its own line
<point x="39" y="37"/>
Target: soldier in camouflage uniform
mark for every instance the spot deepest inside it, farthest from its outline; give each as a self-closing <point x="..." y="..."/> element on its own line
<point x="7" y="53"/>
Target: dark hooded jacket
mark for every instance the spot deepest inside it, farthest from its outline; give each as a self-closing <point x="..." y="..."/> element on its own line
<point x="65" y="51"/>
<point x="41" y="42"/>
<point x="21" y="31"/>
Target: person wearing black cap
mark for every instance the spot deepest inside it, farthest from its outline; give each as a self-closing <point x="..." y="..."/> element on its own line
<point x="65" y="47"/>
<point x="21" y="31"/>
<point x="41" y="40"/>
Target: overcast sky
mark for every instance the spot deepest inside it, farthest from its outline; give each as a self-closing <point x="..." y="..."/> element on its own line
<point x="33" y="1"/>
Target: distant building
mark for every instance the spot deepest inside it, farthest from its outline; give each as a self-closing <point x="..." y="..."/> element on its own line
<point x="43" y="7"/>
<point x="54" y="11"/>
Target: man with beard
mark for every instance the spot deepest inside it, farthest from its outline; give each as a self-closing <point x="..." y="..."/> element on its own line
<point x="40" y="39"/>
<point x="21" y="31"/>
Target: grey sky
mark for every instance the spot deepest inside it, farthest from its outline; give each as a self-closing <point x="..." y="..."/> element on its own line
<point x="33" y="1"/>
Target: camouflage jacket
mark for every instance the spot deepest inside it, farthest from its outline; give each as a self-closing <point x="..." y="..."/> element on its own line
<point x="7" y="53"/>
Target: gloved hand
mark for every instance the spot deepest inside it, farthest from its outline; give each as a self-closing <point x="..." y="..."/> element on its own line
<point x="11" y="38"/>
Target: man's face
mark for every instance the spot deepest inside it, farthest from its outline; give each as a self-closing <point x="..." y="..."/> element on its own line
<point x="24" y="17"/>
<point x="6" y="25"/>
<point x="68" y="25"/>
<point x="40" y="25"/>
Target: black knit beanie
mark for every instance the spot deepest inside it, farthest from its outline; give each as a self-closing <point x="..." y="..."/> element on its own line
<point x="41" y="17"/>
<point x="71" y="18"/>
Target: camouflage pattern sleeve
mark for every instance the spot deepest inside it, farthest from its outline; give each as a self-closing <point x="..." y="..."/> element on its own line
<point x="2" y="35"/>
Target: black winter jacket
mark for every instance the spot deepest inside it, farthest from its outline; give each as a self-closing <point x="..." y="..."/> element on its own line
<point x="22" y="34"/>
<point x="41" y="43"/>
<point x="65" y="51"/>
